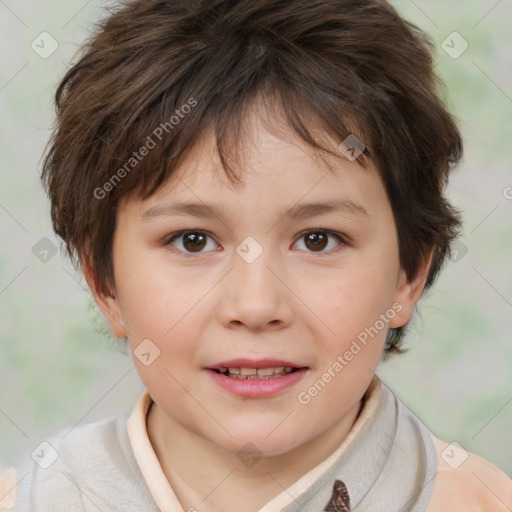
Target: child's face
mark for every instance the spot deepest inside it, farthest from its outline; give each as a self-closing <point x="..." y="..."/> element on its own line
<point x="302" y="300"/>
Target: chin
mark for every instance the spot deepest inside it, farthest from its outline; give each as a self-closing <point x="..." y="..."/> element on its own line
<point x="257" y="444"/>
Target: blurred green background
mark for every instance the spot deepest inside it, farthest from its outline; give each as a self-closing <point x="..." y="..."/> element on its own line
<point x="57" y="367"/>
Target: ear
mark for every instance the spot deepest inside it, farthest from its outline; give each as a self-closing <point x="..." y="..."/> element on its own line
<point x="408" y="293"/>
<point x="108" y="304"/>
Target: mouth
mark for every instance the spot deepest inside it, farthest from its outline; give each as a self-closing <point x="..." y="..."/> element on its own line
<point x="262" y="378"/>
<point x="249" y="369"/>
<point x="272" y="372"/>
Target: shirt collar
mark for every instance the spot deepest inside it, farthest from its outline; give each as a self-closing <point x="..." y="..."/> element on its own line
<point x="161" y="490"/>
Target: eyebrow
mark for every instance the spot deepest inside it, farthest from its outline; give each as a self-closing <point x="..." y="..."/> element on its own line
<point x="298" y="211"/>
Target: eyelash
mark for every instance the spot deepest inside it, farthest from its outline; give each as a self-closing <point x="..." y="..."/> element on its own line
<point x="342" y="239"/>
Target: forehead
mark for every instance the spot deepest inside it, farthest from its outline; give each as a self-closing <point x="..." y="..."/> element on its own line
<point x="276" y="168"/>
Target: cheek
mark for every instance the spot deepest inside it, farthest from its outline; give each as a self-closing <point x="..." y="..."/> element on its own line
<point x="170" y="335"/>
<point x="352" y="308"/>
<point x="358" y="296"/>
<point x="155" y="300"/>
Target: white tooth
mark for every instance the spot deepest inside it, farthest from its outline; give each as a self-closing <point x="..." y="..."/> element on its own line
<point x="223" y="370"/>
<point x="234" y="371"/>
<point x="248" y="371"/>
<point x="278" y="369"/>
<point x="264" y="372"/>
<point x="288" y="368"/>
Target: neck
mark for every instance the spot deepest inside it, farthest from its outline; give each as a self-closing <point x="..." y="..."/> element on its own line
<point x="208" y="478"/>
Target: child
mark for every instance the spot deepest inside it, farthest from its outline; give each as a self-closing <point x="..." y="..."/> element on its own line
<point x="255" y="130"/>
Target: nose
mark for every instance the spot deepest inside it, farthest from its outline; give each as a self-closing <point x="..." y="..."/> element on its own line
<point x="254" y="295"/>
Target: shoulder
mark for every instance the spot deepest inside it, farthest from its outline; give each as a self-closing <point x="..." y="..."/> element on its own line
<point x="66" y="470"/>
<point x="8" y="488"/>
<point x="467" y="482"/>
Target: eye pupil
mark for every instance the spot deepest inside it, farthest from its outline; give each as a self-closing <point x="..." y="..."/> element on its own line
<point x="196" y="239"/>
<point x="318" y="240"/>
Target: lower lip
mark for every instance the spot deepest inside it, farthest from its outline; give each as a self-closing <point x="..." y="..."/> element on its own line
<point x="257" y="388"/>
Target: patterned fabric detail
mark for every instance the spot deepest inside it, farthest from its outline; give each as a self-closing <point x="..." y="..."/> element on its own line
<point x="340" y="501"/>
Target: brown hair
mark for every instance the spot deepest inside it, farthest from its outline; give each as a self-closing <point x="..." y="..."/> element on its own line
<point x="156" y="74"/>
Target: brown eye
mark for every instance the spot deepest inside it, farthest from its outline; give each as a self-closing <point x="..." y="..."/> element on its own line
<point x="318" y="240"/>
<point x="191" y="241"/>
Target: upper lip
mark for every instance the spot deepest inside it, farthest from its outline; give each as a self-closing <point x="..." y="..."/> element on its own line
<point x="253" y="363"/>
